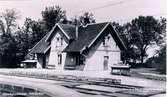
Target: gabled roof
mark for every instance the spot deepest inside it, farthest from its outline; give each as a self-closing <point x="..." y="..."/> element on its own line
<point x="86" y="37"/>
<point x="89" y="34"/>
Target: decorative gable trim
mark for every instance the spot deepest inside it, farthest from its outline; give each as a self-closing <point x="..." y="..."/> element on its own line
<point x="63" y="32"/>
<point x="50" y="33"/>
<point x="57" y="25"/>
<point x="119" y="37"/>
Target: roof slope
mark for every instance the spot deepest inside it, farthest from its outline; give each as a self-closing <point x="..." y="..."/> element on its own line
<point x="41" y="46"/>
<point x="69" y="30"/>
<point x="85" y="36"/>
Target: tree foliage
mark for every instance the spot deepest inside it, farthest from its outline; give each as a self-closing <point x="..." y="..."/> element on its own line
<point x="8" y="20"/>
<point x="84" y="19"/>
<point x="161" y="59"/>
<point x="143" y="32"/>
<point x="137" y="35"/>
<point x="29" y="35"/>
<point x="8" y="47"/>
<point x="52" y="15"/>
<point x="131" y="54"/>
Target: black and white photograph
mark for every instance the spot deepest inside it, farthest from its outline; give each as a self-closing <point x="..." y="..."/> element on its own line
<point x="83" y="48"/>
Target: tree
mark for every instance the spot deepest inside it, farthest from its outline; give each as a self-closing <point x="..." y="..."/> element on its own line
<point x="8" y="20"/>
<point x="8" y="48"/>
<point x="35" y="30"/>
<point x="52" y="15"/>
<point x="145" y="31"/>
<point x="86" y="18"/>
<point x="131" y="54"/>
<point x="161" y="59"/>
<point x="29" y="35"/>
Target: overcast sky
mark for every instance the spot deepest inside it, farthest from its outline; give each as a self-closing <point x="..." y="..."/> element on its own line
<point x="103" y="10"/>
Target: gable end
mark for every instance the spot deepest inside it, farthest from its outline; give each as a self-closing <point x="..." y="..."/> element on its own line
<point x="114" y="34"/>
<point x="52" y="32"/>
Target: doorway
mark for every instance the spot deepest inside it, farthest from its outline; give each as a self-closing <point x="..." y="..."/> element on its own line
<point x="105" y="63"/>
<point x="43" y="61"/>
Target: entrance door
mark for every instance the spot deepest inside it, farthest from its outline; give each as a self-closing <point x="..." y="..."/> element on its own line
<point x="43" y="61"/>
<point x="105" y="63"/>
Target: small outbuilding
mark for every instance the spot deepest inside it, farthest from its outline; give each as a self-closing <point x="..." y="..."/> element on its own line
<point x="29" y="64"/>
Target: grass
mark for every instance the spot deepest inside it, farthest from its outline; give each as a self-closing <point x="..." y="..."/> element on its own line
<point x="148" y="73"/>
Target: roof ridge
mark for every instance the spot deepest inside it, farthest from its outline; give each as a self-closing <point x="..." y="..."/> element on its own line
<point x="82" y="25"/>
<point x="65" y="24"/>
<point x="97" y="23"/>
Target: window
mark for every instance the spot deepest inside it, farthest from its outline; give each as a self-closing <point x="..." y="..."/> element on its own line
<point x="105" y="63"/>
<point x="59" y="59"/>
<point x="61" y="41"/>
<point x="57" y="39"/>
<point x="106" y="41"/>
<point x="82" y="60"/>
<point x="106" y="57"/>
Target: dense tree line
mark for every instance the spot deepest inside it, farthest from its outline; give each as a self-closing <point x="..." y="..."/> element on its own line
<point x="16" y="41"/>
<point x="138" y="34"/>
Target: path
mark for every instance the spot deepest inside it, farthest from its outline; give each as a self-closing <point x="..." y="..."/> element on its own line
<point x="154" y="84"/>
<point x="124" y="79"/>
<point x="46" y="86"/>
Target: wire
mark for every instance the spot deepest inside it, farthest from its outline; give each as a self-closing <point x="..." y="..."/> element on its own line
<point x="129" y="19"/>
<point x="104" y="6"/>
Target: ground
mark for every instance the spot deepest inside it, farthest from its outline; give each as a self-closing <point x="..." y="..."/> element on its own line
<point x="138" y="78"/>
<point x="148" y="73"/>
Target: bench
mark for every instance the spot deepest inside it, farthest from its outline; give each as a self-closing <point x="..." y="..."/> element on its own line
<point x="121" y="69"/>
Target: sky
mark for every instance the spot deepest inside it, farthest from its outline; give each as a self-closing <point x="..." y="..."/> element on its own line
<point x="120" y="11"/>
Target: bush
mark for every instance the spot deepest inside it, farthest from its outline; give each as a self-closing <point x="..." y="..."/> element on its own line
<point x="158" y="62"/>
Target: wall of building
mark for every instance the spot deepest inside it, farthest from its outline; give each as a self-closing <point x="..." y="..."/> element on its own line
<point x="95" y="56"/>
<point x="47" y="57"/>
<point x="40" y="61"/>
<point x="57" y="48"/>
<point x="70" y="59"/>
